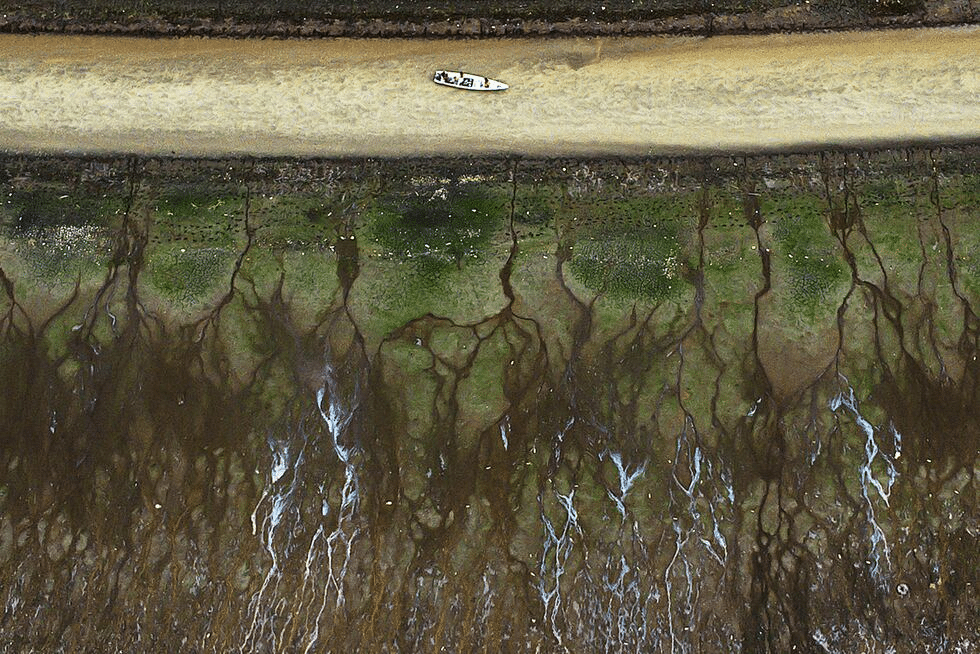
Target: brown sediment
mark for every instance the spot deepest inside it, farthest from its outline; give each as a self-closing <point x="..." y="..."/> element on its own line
<point x="568" y="96"/>
<point x="792" y="363"/>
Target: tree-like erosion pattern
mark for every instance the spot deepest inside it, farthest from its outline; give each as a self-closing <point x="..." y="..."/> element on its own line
<point x="689" y="405"/>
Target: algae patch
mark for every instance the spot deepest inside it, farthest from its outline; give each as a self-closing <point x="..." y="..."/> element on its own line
<point x="187" y="276"/>
<point x="638" y="265"/>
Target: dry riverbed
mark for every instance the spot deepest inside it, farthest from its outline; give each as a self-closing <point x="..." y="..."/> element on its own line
<point x="568" y="96"/>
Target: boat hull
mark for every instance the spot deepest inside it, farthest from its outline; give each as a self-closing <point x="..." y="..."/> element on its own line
<point x="467" y="81"/>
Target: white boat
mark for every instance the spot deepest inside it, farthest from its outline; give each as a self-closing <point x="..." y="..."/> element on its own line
<point x="467" y="81"/>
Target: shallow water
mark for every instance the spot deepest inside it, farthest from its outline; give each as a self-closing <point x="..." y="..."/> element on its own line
<point x="718" y="405"/>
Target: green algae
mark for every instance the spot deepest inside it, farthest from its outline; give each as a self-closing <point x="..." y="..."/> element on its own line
<point x="60" y="233"/>
<point x="40" y="207"/>
<point x="197" y="216"/>
<point x="635" y="248"/>
<point x="189" y="276"/>
<point x="443" y="231"/>
<point x="636" y="265"/>
<point x="805" y="249"/>
<point x="297" y="221"/>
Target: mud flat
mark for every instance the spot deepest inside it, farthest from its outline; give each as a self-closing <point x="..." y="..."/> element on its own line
<point x="625" y="405"/>
<point x="199" y="97"/>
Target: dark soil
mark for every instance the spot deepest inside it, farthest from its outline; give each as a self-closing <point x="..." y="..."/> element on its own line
<point x="471" y="18"/>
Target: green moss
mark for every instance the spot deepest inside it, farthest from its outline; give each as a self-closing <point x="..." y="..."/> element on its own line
<point x="440" y="255"/>
<point x="960" y="191"/>
<point x="885" y="193"/>
<point x="806" y="250"/>
<point x="630" y="266"/>
<point x="630" y="249"/>
<point x="55" y="263"/>
<point x="537" y="208"/>
<point x="45" y="208"/>
<point x="188" y="276"/>
<point x="295" y="222"/>
<point x="813" y="281"/>
<point x="387" y="295"/>
<point x="439" y="233"/>
<point x="60" y="234"/>
<point x="198" y="217"/>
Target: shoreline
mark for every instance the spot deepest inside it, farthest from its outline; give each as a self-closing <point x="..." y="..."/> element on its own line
<point x="215" y="150"/>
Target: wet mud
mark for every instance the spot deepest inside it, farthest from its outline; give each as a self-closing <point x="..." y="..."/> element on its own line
<point x="511" y="405"/>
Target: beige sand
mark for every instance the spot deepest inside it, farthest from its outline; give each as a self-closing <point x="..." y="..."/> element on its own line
<point x="581" y="96"/>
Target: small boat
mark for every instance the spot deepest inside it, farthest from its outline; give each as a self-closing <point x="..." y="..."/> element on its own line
<point x="467" y="81"/>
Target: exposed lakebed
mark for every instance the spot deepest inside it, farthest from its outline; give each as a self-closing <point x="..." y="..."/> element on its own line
<point x="723" y="404"/>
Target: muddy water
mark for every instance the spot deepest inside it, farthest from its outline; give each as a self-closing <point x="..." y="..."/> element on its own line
<point x="375" y="97"/>
<point x="724" y="405"/>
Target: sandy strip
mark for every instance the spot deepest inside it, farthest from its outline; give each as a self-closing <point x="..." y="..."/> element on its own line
<point x="567" y="96"/>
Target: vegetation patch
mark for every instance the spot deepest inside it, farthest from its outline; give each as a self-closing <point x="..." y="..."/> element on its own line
<point x="806" y="250"/>
<point x="187" y="276"/>
<point x="295" y="222"/>
<point x="198" y="217"/>
<point x="813" y="281"/>
<point x="643" y="264"/>
<point x="45" y="208"/>
<point x="56" y="256"/>
<point x="537" y="208"/>
<point x="438" y="233"/>
<point x="885" y="193"/>
<point x="59" y="235"/>
<point x="960" y="192"/>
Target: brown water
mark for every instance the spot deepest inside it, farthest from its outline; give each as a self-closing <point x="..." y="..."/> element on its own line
<point x="724" y="405"/>
<point x="567" y="96"/>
